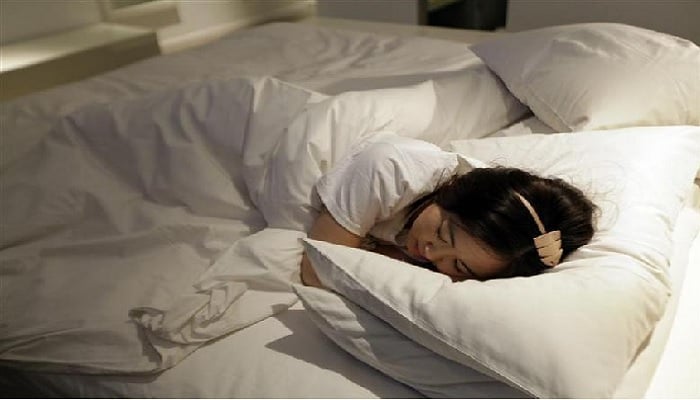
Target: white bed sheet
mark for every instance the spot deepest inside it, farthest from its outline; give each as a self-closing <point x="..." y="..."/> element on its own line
<point x="285" y="355"/>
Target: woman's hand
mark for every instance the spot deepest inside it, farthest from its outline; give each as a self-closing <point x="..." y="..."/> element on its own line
<point x="327" y="229"/>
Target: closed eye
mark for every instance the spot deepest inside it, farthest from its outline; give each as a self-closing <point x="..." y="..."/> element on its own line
<point x="459" y="265"/>
<point x="463" y="268"/>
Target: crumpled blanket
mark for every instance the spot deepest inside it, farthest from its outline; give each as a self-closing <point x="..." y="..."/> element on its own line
<point x="141" y="229"/>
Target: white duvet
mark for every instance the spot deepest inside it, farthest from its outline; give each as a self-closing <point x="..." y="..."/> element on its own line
<point x="139" y="230"/>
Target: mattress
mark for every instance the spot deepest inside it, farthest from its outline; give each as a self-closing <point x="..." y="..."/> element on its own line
<point x="285" y="354"/>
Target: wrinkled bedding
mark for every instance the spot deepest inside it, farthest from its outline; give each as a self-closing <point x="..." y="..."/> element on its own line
<point x="148" y="227"/>
<point x="133" y="226"/>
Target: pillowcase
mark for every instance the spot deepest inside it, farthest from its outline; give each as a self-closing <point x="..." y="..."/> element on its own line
<point x="599" y="75"/>
<point x="573" y="330"/>
<point x="470" y="104"/>
<point x="376" y="343"/>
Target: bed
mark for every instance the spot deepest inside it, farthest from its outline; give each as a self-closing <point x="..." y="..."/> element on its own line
<point x="153" y="218"/>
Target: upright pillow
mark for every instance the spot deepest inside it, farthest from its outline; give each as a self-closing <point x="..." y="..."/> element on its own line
<point x="574" y="330"/>
<point x="599" y="75"/>
<point x="470" y="104"/>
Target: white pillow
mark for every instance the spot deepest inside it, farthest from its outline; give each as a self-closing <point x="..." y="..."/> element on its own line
<point x="574" y="330"/>
<point x="599" y="75"/>
<point x="378" y="344"/>
<point x="470" y="104"/>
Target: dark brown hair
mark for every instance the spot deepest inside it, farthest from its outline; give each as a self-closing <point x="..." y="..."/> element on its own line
<point x="484" y="203"/>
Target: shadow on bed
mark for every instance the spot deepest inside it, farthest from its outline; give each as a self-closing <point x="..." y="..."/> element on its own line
<point x="312" y="346"/>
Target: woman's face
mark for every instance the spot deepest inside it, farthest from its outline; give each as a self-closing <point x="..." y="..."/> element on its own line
<point x="452" y="250"/>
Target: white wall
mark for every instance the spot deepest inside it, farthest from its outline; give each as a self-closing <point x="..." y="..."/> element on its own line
<point x="26" y="19"/>
<point x="677" y="17"/>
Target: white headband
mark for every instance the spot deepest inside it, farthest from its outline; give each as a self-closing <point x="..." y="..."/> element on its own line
<point x="548" y="244"/>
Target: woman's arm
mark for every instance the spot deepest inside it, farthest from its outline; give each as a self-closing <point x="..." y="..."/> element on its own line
<point x="371" y="185"/>
<point x="327" y="229"/>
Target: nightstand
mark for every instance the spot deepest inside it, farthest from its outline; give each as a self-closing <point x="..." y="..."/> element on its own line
<point x="51" y="60"/>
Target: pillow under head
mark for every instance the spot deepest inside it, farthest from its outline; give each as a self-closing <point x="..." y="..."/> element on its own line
<point x="574" y="330"/>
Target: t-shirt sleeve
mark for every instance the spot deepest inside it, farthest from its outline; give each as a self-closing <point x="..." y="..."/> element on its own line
<point x="381" y="179"/>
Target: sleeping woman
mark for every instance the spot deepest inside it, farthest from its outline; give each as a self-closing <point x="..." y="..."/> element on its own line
<point x="410" y="200"/>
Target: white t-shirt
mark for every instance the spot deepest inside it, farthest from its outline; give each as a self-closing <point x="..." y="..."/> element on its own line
<point x="368" y="191"/>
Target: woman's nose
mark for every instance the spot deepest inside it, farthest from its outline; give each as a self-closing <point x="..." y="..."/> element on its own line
<point x="435" y="251"/>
